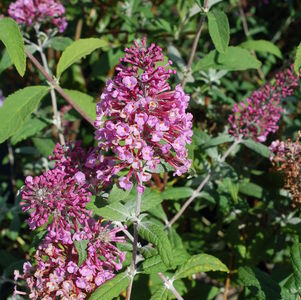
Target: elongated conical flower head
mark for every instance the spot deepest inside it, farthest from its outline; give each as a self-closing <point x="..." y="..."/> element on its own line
<point x="146" y="121"/>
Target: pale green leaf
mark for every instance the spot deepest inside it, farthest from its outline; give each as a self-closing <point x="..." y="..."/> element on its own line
<point x="29" y="129"/>
<point x="17" y="107"/>
<point x="117" y="194"/>
<point x="149" y="200"/>
<point x="257" y="147"/>
<point x="219" y="29"/>
<point x="59" y="43"/>
<point x="84" y="102"/>
<point x="156" y="235"/>
<point x="234" y="59"/>
<point x="175" y="193"/>
<point x="200" y="263"/>
<point x="221" y="139"/>
<point x="81" y="248"/>
<point x="5" y="62"/>
<point x="44" y="145"/>
<point x="160" y="294"/>
<point x="297" y="63"/>
<point x="76" y="51"/>
<point x="114" y="212"/>
<point x="251" y="189"/>
<point x="262" y="46"/>
<point x="111" y="288"/>
<point x="295" y="254"/>
<point x="11" y="37"/>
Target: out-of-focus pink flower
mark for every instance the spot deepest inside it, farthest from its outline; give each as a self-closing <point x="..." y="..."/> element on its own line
<point x="35" y="12"/>
<point x="259" y="114"/>
<point x="145" y="120"/>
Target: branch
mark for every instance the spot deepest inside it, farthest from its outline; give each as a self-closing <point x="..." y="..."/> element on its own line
<point x="202" y="184"/>
<point x="169" y="285"/>
<point x="194" y="45"/>
<point x="53" y="83"/>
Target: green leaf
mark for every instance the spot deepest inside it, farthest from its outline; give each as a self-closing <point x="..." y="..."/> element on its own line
<point x="76" y="51"/>
<point x="200" y="263"/>
<point x="219" y="29"/>
<point x="149" y="200"/>
<point x="59" y="43"/>
<point x="257" y="147"/>
<point x="156" y="235"/>
<point x="44" y="145"/>
<point x="29" y="128"/>
<point x="262" y="46"/>
<point x="84" y="102"/>
<point x="153" y="265"/>
<point x="114" y="212"/>
<point x="266" y="288"/>
<point x="160" y="294"/>
<point x="81" y="248"/>
<point x="17" y="107"/>
<point x="296" y="262"/>
<point x="11" y="37"/>
<point x="175" y="193"/>
<point x="221" y="139"/>
<point x="251" y="189"/>
<point x="117" y="194"/>
<point x="297" y="63"/>
<point x="111" y="288"/>
<point x="228" y="60"/>
<point x="212" y="3"/>
<point x="5" y="62"/>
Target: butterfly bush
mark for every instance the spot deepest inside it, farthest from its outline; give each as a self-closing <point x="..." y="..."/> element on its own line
<point x="57" y="199"/>
<point x="36" y="12"/>
<point x="258" y="116"/>
<point x="141" y="120"/>
<point x="287" y="159"/>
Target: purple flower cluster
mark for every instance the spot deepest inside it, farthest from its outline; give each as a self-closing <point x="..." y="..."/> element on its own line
<point x="259" y="114"/>
<point x="145" y="121"/>
<point x="57" y="199"/>
<point x="35" y="12"/>
<point x="57" y="273"/>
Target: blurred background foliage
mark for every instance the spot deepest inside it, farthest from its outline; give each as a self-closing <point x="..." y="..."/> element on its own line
<point x="243" y="216"/>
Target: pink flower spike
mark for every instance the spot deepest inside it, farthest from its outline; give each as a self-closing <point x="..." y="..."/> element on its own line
<point x="155" y="115"/>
